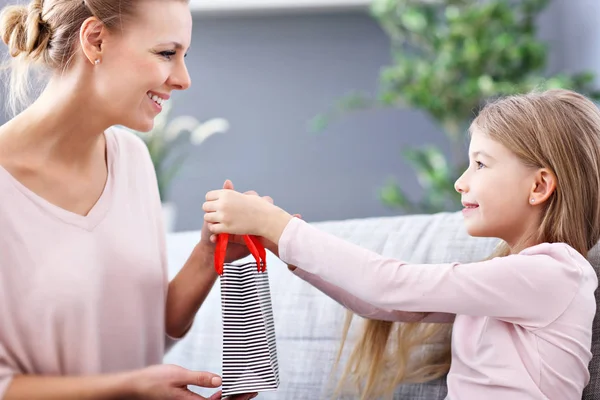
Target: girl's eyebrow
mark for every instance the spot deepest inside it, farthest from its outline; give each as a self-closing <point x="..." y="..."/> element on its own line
<point x="481" y="153"/>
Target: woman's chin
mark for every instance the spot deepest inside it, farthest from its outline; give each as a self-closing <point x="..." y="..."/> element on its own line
<point x="142" y="125"/>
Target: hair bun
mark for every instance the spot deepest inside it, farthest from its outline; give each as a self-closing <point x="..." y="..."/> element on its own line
<point x="24" y="31"/>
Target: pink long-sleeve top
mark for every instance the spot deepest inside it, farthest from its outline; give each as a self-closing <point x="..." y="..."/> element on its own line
<point x="523" y="323"/>
<point x="84" y="294"/>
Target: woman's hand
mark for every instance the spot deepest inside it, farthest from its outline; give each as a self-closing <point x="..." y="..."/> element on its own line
<point x="170" y="382"/>
<point x="228" y="211"/>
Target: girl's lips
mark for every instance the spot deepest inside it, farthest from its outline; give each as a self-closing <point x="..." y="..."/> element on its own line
<point x="469" y="207"/>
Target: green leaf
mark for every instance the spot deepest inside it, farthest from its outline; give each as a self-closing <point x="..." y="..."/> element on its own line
<point x="393" y="196"/>
<point x="414" y="20"/>
<point x="319" y="123"/>
<point x="353" y="101"/>
<point x="448" y="57"/>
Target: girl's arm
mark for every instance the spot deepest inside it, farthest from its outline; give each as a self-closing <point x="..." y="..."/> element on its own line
<point x="356" y="305"/>
<point x="531" y="288"/>
<point x="366" y="310"/>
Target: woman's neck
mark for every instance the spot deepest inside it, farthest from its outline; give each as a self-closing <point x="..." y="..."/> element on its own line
<point x="62" y="125"/>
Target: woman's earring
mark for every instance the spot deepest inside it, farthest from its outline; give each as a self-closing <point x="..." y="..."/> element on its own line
<point x="97" y="61"/>
<point x="532" y="201"/>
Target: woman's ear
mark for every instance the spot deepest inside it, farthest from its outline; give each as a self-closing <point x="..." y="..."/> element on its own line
<point x="91" y="36"/>
<point x="543" y="187"/>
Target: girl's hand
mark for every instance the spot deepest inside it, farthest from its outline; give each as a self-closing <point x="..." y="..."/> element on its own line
<point x="237" y="248"/>
<point x="235" y="213"/>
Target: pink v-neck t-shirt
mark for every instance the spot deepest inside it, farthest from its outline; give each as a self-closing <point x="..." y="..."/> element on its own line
<point x="84" y="294"/>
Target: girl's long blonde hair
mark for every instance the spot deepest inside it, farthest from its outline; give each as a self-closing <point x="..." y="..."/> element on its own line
<point x="555" y="129"/>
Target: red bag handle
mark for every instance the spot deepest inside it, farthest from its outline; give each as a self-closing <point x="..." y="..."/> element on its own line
<point x="252" y="242"/>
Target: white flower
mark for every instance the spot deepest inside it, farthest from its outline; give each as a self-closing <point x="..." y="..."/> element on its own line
<point x="178" y="125"/>
<point x="209" y="128"/>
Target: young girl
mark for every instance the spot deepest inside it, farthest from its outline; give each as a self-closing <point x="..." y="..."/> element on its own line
<point x="523" y="318"/>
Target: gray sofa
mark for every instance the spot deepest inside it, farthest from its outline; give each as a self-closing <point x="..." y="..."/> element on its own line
<point x="308" y="323"/>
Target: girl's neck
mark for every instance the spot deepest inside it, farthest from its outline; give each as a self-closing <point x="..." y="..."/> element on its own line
<point x="525" y="241"/>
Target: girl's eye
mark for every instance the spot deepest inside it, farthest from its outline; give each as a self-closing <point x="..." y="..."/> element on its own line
<point x="479" y="164"/>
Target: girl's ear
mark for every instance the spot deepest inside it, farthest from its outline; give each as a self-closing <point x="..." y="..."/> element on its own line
<point x="543" y="187"/>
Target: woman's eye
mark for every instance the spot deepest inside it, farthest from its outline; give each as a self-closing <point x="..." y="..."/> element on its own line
<point x="167" y="54"/>
<point x="479" y="164"/>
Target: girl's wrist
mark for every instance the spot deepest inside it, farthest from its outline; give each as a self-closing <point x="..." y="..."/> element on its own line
<point x="275" y="224"/>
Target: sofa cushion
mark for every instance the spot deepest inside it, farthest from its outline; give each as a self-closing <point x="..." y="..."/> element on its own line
<point x="592" y="391"/>
<point x="308" y="324"/>
<point x="437" y="238"/>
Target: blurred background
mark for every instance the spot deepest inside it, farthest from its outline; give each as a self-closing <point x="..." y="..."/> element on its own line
<point x="345" y="109"/>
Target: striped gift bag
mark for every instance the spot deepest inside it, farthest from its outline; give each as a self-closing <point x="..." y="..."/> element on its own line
<point x="249" y="349"/>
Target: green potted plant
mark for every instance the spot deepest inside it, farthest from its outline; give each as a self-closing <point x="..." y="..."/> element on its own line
<point x="449" y="57"/>
<point x="167" y="149"/>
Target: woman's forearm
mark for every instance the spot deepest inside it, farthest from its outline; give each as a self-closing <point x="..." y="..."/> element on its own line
<point x="188" y="290"/>
<point x="100" y="387"/>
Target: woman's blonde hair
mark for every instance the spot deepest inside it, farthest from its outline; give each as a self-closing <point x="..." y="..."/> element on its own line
<point x="45" y="33"/>
<point x="555" y="129"/>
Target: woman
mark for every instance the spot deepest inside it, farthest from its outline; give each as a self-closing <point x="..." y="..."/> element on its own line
<point x="86" y="311"/>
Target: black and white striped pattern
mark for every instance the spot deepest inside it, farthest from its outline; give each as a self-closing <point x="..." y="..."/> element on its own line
<point x="249" y="349"/>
